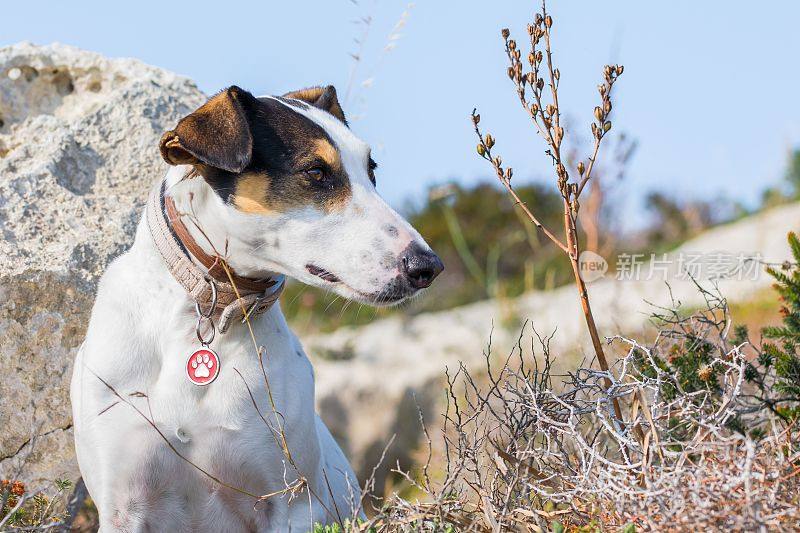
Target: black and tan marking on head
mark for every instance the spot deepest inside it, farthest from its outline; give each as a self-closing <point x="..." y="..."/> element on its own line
<point x="263" y="155"/>
<point x="324" y="98"/>
<point x="217" y="134"/>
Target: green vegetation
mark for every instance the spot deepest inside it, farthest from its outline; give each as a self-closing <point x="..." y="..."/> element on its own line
<point x="772" y="371"/>
<point x="789" y="190"/>
<point x="776" y="370"/>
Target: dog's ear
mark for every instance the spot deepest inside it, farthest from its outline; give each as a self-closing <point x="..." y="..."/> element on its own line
<point x="217" y="134"/>
<point x="321" y="97"/>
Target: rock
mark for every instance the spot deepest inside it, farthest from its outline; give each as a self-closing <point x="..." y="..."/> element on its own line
<point x="78" y="152"/>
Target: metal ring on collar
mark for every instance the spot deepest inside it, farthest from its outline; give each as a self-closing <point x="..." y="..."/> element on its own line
<point x="213" y="301"/>
<point x="199" y="334"/>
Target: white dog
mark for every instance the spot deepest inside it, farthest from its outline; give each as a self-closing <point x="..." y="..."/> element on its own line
<point x="179" y="424"/>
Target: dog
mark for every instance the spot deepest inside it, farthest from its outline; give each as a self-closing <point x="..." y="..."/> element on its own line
<point x="193" y="401"/>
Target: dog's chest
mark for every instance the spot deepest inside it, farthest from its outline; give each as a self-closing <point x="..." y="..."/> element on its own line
<point x="227" y="426"/>
<point x="258" y="376"/>
<point x="254" y="377"/>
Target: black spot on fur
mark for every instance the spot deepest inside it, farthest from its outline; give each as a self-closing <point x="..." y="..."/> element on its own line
<point x="390" y="230"/>
<point x="388" y="261"/>
<point x="371" y="166"/>
<point x="264" y="508"/>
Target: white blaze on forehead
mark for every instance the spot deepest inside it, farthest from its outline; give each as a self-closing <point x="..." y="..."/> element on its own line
<point x="369" y="215"/>
<point x="366" y="201"/>
<point x="353" y="151"/>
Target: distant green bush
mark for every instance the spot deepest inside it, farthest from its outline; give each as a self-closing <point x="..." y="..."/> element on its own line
<point x="776" y="369"/>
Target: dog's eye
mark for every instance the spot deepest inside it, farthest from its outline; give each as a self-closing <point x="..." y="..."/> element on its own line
<point x="316" y="173"/>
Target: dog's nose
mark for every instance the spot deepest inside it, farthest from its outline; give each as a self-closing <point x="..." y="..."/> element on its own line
<point x="421" y="266"/>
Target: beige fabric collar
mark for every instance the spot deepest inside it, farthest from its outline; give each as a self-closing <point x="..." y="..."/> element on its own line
<point x="254" y="296"/>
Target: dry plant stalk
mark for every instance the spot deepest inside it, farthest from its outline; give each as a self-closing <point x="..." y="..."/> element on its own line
<point x="545" y="112"/>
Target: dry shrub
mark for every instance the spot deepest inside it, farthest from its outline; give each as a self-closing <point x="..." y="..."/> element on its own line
<point x="524" y="454"/>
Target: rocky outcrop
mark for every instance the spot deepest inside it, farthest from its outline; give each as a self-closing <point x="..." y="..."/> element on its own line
<point x="78" y="152"/>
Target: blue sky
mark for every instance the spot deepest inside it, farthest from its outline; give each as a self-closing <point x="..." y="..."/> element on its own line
<point x="710" y="89"/>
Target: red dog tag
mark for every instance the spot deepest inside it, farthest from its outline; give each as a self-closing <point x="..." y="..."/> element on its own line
<point x="202" y="366"/>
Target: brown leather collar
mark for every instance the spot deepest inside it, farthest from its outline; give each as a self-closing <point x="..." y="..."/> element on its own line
<point x="213" y="264"/>
<point x="208" y="288"/>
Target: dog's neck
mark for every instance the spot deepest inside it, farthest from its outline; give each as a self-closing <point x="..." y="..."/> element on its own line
<point x="208" y="221"/>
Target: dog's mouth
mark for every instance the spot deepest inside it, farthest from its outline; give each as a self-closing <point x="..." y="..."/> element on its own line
<point x="392" y="293"/>
<point x="322" y="273"/>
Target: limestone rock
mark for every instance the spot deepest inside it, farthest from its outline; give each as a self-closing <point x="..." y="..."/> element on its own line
<point x="78" y="152"/>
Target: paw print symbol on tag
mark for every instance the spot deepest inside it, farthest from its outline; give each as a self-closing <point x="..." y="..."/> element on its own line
<point x="202" y="367"/>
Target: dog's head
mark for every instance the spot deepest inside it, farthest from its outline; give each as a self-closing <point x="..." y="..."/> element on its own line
<point x="294" y="188"/>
